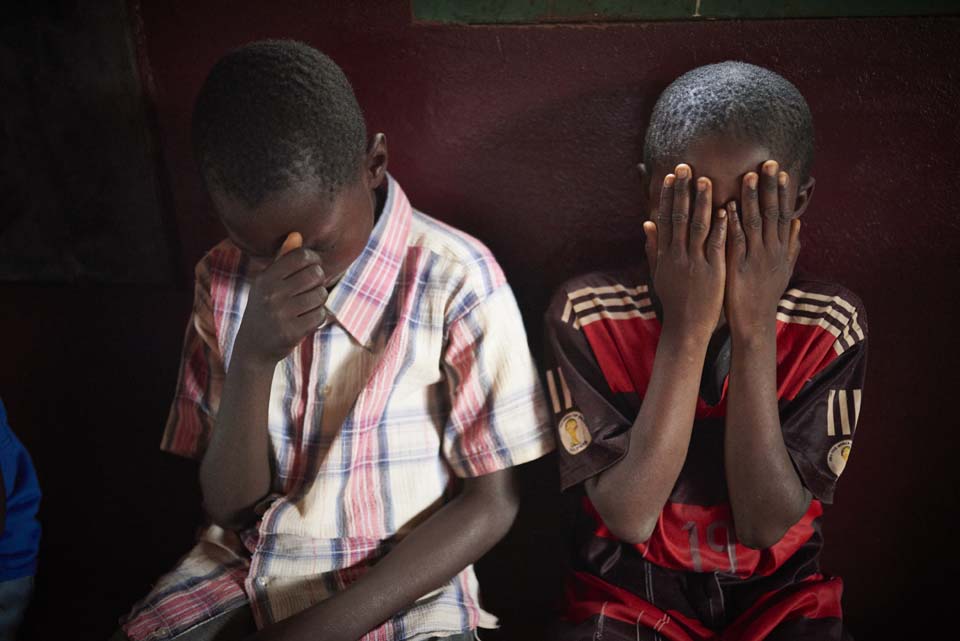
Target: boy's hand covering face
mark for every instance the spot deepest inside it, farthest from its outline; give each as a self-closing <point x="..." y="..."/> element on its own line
<point x="285" y="304"/>
<point x="685" y="250"/>
<point x="762" y="247"/>
<point x="762" y="250"/>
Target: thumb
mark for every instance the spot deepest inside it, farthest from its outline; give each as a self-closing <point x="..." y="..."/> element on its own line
<point x="293" y="241"/>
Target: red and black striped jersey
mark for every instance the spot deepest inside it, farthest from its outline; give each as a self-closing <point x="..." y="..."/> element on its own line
<point x="603" y="330"/>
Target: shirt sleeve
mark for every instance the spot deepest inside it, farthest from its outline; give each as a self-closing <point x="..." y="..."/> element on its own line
<point x="497" y="416"/>
<point x="820" y="421"/>
<point x="593" y="432"/>
<point x="200" y="382"/>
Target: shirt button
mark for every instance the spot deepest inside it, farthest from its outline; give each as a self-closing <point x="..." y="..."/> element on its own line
<point x="326" y="390"/>
<point x="262" y="581"/>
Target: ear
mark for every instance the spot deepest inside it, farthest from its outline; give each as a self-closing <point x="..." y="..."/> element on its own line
<point x="375" y="162"/>
<point x="804" y="194"/>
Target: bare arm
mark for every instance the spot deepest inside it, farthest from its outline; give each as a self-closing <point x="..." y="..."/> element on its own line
<point x="457" y="535"/>
<point x="688" y="271"/>
<point x="766" y="493"/>
<point x="284" y="305"/>
<point x="235" y="471"/>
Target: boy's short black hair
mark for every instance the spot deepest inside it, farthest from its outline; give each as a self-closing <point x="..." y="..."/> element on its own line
<point x="273" y="114"/>
<point x="731" y="98"/>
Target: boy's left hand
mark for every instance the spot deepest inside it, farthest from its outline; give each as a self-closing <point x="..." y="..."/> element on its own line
<point x="762" y="250"/>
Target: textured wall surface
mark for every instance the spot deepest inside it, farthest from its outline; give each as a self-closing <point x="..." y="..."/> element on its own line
<point x="528" y="138"/>
<point x="75" y="150"/>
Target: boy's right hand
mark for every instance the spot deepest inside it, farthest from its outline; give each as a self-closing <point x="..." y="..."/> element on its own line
<point x="285" y="304"/>
<point x="686" y="254"/>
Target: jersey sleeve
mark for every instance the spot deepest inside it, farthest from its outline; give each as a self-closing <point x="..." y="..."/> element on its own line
<point x="497" y="416"/>
<point x="592" y="432"/>
<point x="200" y="382"/>
<point x="819" y="423"/>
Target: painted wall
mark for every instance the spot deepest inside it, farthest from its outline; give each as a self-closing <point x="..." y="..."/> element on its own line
<point x="527" y="137"/>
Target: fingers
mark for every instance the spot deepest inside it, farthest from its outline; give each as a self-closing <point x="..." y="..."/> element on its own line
<point x="785" y="206"/>
<point x="717" y="242"/>
<point x="292" y="262"/>
<point x="311" y="320"/>
<point x="309" y="301"/>
<point x="681" y="206"/>
<point x="736" y="237"/>
<point x="310" y="277"/>
<point x="700" y="223"/>
<point x="770" y="202"/>
<point x="650" y="247"/>
<point x="793" y="245"/>
<point x="751" y="220"/>
<point x="293" y="241"/>
<point x="665" y="213"/>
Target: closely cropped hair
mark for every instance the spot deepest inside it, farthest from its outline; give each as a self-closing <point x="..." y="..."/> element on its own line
<point x="731" y="98"/>
<point x="273" y="114"/>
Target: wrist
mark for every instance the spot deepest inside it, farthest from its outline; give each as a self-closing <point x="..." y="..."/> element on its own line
<point x="681" y="339"/>
<point x="249" y="364"/>
<point x="747" y="329"/>
<point x="249" y="358"/>
<point x="757" y="337"/>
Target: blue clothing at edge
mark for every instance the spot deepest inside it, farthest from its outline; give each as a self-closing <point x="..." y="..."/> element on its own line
<point x="21" y="532"/>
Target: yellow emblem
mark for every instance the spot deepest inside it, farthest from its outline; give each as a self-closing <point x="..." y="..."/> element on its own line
<point x="838" y="455"/>
<point x="574" y="433"/>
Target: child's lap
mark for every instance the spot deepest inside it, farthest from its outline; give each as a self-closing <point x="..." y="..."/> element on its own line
<point x="238" y="624"/>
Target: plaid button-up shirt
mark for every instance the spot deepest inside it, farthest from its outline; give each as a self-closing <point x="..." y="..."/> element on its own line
<point x="422" y="373"/>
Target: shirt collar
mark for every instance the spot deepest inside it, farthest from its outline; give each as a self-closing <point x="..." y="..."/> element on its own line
<point x="358" y="300"/>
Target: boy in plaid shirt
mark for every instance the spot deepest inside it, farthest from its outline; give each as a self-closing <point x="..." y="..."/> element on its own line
<point x="349" y="359"/>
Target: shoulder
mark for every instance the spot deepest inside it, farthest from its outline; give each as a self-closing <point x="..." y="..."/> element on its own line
<point x="218" y="275"/>
<point x="829" y="306"/>
<point x="610" y="295"/>
<point x="223" y="259"/>
<point x="452" y="258"/>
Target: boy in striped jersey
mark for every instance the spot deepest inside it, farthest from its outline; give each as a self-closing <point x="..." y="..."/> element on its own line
<point x="706" y="401"/>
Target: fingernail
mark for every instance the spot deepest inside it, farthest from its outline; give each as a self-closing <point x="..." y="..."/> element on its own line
<point x="681" y="171"/>
<point x="701" y="184"/>
<point x="752" y="180"/>
<point x="782" y="179"/>
<point x="732" y="207"/>
<point x="721" y="213"/>
<point x="770" y="167"/>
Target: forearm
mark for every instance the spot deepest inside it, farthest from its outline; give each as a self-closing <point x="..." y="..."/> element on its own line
<point x="766" y="494"/>
<point x="235" y="472"/>
<point x="456" y="536"/>
<point x="659" y="439"/>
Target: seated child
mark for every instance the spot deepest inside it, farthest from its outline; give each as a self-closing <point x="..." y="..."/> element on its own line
<point x="19" y="529"/>
<point x="350" y="363"/>
<point x="706" y="401"/>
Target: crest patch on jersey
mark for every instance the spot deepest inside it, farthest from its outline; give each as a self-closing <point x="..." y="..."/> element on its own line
<point x="573" y="432"/>
<point x="838" y="455"/>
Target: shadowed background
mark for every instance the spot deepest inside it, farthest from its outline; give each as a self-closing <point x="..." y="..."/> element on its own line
<point x="526" y="136"/>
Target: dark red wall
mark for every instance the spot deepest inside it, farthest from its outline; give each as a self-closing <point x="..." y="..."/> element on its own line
<point x="528" y="137"/>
